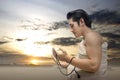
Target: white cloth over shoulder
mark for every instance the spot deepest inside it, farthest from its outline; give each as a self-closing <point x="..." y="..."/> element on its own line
<point x="99" y="75"/>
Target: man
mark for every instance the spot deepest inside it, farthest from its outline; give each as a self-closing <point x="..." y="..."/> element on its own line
<point x="91" y="62"/>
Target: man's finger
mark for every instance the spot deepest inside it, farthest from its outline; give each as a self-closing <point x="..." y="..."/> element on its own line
<point x="62" y="50"/>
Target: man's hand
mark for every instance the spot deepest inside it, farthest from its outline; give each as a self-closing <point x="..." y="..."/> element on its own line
<point x="60" y="54"/>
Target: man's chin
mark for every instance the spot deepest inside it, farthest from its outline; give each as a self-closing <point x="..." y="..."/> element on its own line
<point x="76" y="36"/>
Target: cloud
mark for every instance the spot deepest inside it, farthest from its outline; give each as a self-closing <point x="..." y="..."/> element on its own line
<point x="5" y="39"/>
<point x="38" y="24"/>
<point x="111" y="35"/>
<point x="30" y="9"/>
<point x="117" y="4"/>
<point x="1" y="42"/>
<point x="66" y="41"/>
<point x="20" y="56"/>
<point x="18" y="59"/>
<point x="106" y="16"/>
<point x="20" y="39"/>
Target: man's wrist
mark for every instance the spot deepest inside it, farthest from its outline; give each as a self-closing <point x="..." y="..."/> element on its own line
<point x="69" y="60"/>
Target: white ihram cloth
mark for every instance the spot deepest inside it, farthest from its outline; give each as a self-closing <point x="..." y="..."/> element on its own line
<point x="99" y="75"/>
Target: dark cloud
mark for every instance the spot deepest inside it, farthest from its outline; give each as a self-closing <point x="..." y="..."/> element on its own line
<point x="110" y="35"/>
<point x="61" y="24"/>
<point x="113" y="40"/>
<point x="66" y="41"/>
<point x="117" y="4"/>
<point x="3" y="42"/>
<point x="21" y="39"/>
<point x="106" y="16"/>
<point x="7" y="39"/>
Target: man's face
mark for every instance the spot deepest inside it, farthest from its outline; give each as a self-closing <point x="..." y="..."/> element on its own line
<point x="74" y="28"/>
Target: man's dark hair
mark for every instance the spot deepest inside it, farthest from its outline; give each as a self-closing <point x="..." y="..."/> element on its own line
<point x="76" y="15"/>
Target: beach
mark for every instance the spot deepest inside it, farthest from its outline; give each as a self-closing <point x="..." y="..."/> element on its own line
<point x="114" y="73"/>
<point x="48" y="72"/>
<point x="113" y="69"/>
<point x="30" y="73"/>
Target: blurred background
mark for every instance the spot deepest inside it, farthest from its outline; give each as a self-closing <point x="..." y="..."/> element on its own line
<point x="29" y="29"/>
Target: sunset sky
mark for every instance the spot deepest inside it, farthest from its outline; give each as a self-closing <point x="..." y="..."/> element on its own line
<point x="16" y="15"/>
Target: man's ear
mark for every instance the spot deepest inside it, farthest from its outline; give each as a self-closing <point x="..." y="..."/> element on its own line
<point x="82" y="22"/>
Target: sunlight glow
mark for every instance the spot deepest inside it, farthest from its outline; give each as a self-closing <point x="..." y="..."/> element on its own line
<point x="35" y="62"/>
<point x="28" y="46"/>
<point x="33" y="50"/>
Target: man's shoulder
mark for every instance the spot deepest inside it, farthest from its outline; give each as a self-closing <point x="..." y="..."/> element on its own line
<point x="93" y="37"/>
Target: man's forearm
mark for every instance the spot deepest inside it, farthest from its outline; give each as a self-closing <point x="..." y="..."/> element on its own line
<point x="84" y="64"/>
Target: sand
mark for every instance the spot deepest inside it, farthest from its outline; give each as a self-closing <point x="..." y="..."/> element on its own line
<point x="44" y="73"/>
<point x="30" y="73"/>
<point x="114" y="73"/>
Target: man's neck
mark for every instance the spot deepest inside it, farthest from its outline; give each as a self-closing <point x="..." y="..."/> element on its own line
<point x="86" y="31"/>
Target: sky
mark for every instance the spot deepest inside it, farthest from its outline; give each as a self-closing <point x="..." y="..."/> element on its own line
<point x="15" y="15"/>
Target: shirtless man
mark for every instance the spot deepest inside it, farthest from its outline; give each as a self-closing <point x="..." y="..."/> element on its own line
<point x="92" y="63"/>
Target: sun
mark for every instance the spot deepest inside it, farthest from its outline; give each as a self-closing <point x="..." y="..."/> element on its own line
<point x="35" y="62"/>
